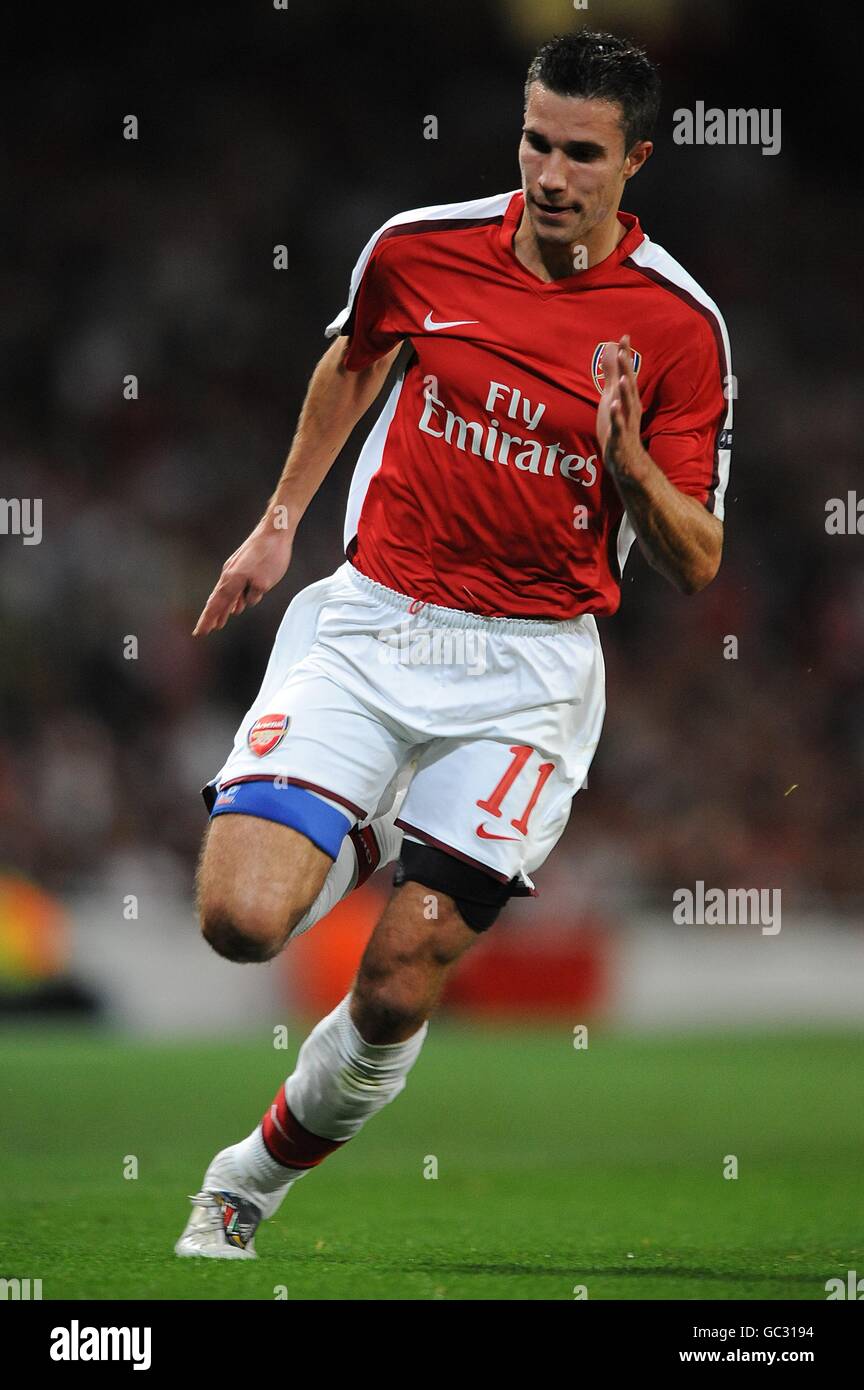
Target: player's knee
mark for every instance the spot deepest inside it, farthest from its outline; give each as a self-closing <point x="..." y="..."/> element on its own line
<point x="250" y="935"/>
<point x="238" y="940"/>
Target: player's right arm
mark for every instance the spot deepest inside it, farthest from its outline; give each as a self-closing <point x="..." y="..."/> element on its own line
<point x="336" y="399"/>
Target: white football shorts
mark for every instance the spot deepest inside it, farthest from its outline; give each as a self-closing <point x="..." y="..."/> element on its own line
<point x="501" y="717"/>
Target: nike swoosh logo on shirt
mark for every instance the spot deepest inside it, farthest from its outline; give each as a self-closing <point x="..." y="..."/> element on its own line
<point x="431" y="326"/>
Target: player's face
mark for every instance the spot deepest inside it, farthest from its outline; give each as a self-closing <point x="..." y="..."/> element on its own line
<point x="573" y="160"/>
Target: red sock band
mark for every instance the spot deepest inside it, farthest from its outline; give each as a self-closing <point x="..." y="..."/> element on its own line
<point x="368" y="852"/>
<point x="288" y="1142"/>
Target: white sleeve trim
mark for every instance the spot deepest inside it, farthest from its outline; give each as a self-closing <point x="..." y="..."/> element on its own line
<point x="436" y="212"/>
<point x="653" y="257"/>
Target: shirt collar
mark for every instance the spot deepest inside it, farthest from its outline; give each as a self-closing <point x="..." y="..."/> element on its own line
<point x="580" y="278"/>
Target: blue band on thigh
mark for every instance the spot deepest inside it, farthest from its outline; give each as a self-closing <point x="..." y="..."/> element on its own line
<point x="289" y="805"/>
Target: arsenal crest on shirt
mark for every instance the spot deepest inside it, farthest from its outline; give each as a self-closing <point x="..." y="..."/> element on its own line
<point x="267" y="732"/>
<point x="597" y="364"/>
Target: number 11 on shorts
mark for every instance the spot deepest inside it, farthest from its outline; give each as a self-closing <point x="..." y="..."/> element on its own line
<point x="521" y="754"/>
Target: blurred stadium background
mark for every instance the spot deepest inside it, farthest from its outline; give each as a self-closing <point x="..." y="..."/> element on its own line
<point x="154" y="257"/>
<point x="304" y="127"/>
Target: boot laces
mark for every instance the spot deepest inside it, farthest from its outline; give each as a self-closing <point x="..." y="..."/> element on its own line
<point x="211" y="1207"/>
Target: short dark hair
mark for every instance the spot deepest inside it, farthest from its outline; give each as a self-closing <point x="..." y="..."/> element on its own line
<point x="602" y="66"/>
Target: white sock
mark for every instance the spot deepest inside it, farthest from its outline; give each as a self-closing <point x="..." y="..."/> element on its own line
<point x="343" y="875"/>
<point x="338" y="883"/>
<point x="248" y="1169"/>
<point x="340" y="1082"/>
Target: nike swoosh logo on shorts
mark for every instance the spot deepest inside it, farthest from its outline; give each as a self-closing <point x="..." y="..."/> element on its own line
<point x="487" y="835"/>
<point x="431" y="326"/>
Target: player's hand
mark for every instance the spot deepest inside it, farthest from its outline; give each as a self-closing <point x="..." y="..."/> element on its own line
<point x="247" y="575"/>
<point x="619" y="414"/>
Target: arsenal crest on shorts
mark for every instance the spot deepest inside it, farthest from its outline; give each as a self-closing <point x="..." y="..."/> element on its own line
<point x="267" y="732"/>
<point x="597" y="364"/>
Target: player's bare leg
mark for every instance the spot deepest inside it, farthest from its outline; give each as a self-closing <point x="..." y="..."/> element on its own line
<point x="354" y="1062"/>
<point x="256" y="879"/>
<point x="261" y="883"/>
<point x="404" y="968"/>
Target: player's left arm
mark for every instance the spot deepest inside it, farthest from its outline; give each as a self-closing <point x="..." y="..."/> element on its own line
<point x="678" y="536"/>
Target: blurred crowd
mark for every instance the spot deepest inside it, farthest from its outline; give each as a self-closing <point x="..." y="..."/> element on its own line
<point x="153" y="258"/>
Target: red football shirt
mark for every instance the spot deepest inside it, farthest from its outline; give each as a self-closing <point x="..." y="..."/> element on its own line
<point x="481" y="485"/>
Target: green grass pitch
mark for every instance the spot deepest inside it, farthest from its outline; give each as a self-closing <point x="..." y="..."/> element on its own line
<point x="556" y="1168"/>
